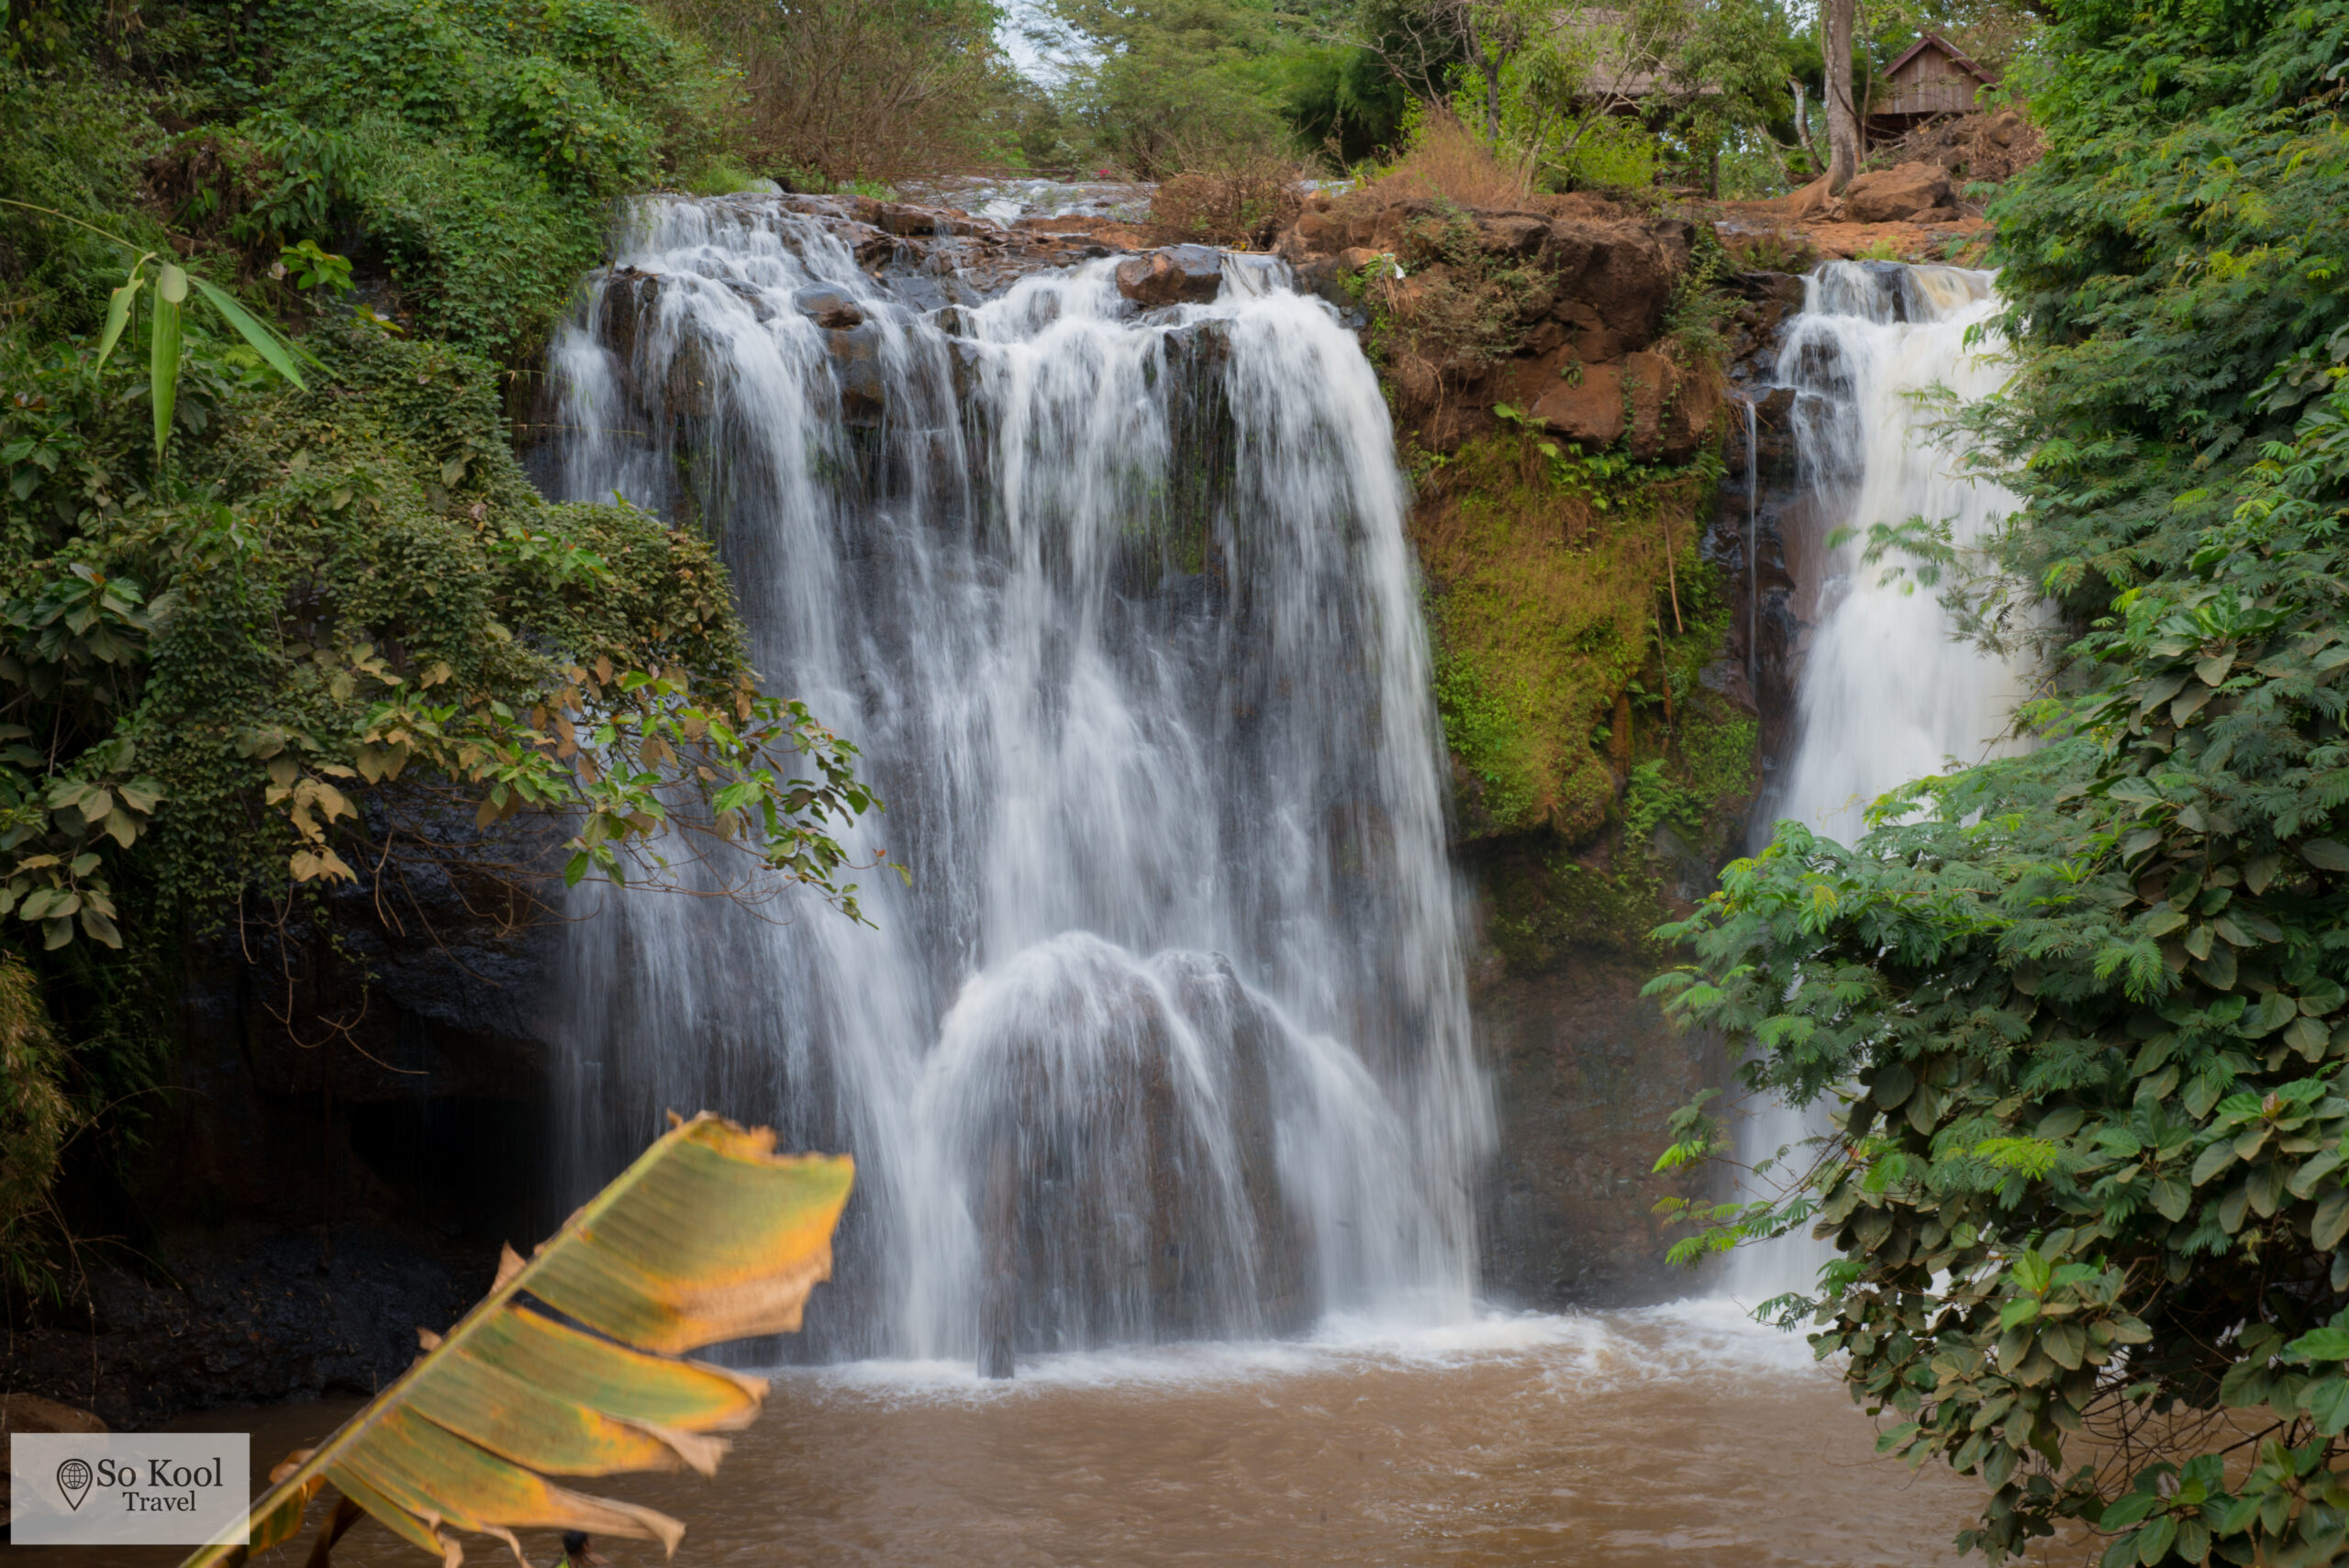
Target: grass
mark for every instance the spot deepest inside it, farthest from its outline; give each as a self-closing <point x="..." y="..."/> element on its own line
<point x="1445" y="162"/>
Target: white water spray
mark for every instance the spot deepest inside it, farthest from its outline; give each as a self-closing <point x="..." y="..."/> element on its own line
<point x="1169" y="1036"/>
<point x="1888" y="691"/>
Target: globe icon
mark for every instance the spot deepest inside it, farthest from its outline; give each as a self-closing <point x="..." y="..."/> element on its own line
<point x="74" y="1480"/>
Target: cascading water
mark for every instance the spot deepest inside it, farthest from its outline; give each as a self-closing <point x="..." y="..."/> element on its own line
<point x="1888" y="691"/>
<point x="1168" y="1035"/>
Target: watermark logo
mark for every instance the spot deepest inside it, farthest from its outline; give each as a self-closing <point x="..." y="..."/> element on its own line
<point x="130" y="1488"/>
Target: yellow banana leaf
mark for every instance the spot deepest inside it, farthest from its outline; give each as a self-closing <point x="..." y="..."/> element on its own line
<point x="710" y="1235"/>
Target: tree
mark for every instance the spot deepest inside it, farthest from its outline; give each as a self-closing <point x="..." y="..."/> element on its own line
<point x="1842" y="114"/>
<point x="2081" y="1015"/>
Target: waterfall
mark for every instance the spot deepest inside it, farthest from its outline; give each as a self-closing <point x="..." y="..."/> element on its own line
<point x="1888" y="693"/>
<point x="1167" y="1036"/>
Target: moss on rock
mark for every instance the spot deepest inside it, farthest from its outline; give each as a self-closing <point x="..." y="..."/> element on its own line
<point x="1571" y="617"/>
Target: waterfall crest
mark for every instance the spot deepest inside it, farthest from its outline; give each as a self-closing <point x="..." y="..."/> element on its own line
<point x="1168" y="1036"/>
<point x="1887" y="691"/>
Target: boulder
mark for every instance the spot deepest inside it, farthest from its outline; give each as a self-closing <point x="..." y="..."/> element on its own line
<point x="918" y="222"/>
<point x="1510" y="233"/>
<point x="1888" y="196"/>
<point x="1594" y="341"/>
<point x="1179" y="274"/>
<point x="856" y="366"/>
<point x="1320" y="231"/>
<point x="831" y="309"/>
<point x="1620" y="271"/>
<point x="871" y="246"/>
<point x="1588" y="410"/>
<point x="31" y="1413"/>
<point x="1592" y="410"/>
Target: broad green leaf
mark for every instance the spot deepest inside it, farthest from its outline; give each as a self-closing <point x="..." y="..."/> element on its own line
<point x="266" y="343"/>
<point x="2245" y="1384"/>
<point x="2321" y="1345"/>
<point x="164" y="357"/>
<point x="118" y="311"/>
<point x="2307" y="1037"/>
<point x="708" y="1235"/>
<point x="2154" y="1540"/>
<point x="2128" y="1508"/>
<point x="2325" y="854"/>
<point x="2214" y="1159"/>
<point x="2312" y="1170"/>
<point x="2031" y="1270"/>
<point x="2331" y="1220"/>
<point x="2327" y="1404"/>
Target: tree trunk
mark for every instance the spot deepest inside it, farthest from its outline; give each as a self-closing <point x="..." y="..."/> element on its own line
<point x="1843" y="116"/>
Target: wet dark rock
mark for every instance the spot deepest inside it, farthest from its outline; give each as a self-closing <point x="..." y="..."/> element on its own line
<point x="1178" y="275"/>
<point x="856" y="364"/>
<point x="1586" y="1073"/>
<point x="246" y="1316"/>
<point x="912" y="222"/>
<point x="830" y="307"/>
<point x="871" y="246"/>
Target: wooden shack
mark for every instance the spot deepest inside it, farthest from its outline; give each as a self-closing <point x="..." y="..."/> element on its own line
<point x="1931" y="80"/>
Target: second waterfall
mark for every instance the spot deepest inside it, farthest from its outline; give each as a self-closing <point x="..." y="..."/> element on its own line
<point x="1890" y="690"/>
<point x="1167" y="1036"/>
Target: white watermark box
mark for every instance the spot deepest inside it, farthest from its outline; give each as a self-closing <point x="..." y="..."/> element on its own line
<point x="128" y="1488"/>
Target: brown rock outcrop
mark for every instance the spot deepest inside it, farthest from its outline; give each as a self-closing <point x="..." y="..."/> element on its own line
<point x="1588" y="409"/>
<point x="1619" y="270"/>
<point x="1888" y="196"/>
<point x="1179" y="274"/>
<point x="1666" y="410"/>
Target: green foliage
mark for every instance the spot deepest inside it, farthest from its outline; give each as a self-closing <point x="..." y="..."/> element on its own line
<point x="1165" y="85"/>
<point x="36" y="1120"/>
<point x="1613" y="153"/>
<point x="463" y="151"/>
<point x="1651" y="800"/>
<point x="347" y="583"/>
<point x="838" y="91"/>
<point x="1551" y="588"/>
<point x="1585" y="94"/>
<point x="70" y="153"/>
<point x="2080" y="1012"/>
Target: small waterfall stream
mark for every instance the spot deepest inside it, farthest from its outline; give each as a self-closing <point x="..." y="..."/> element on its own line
<point x="1168" y="1037"/>
<point x="1886" y="693"/>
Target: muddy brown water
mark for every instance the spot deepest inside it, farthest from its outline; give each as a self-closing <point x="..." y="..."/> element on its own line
<point x="1676" y="1436"/>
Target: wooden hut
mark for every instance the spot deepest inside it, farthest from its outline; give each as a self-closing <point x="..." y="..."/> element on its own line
<point x="1932" y="79"/>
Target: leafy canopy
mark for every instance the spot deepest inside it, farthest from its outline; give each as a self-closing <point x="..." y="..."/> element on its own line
<point x="2079" y="1015"/>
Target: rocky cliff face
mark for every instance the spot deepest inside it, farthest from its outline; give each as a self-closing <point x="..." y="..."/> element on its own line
<point x="1601" y="483"/>
<point x="364" y="1093"/>
<point x="1556" y="312"/>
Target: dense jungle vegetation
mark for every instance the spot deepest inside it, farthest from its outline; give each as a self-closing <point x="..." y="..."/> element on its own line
<point x="284" y="615"/>
<point x="2077" y="1016"/>
<point x="284" y="612"/>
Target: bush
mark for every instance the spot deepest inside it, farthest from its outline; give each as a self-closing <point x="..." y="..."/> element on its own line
<point x="2079" y="1013"/>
